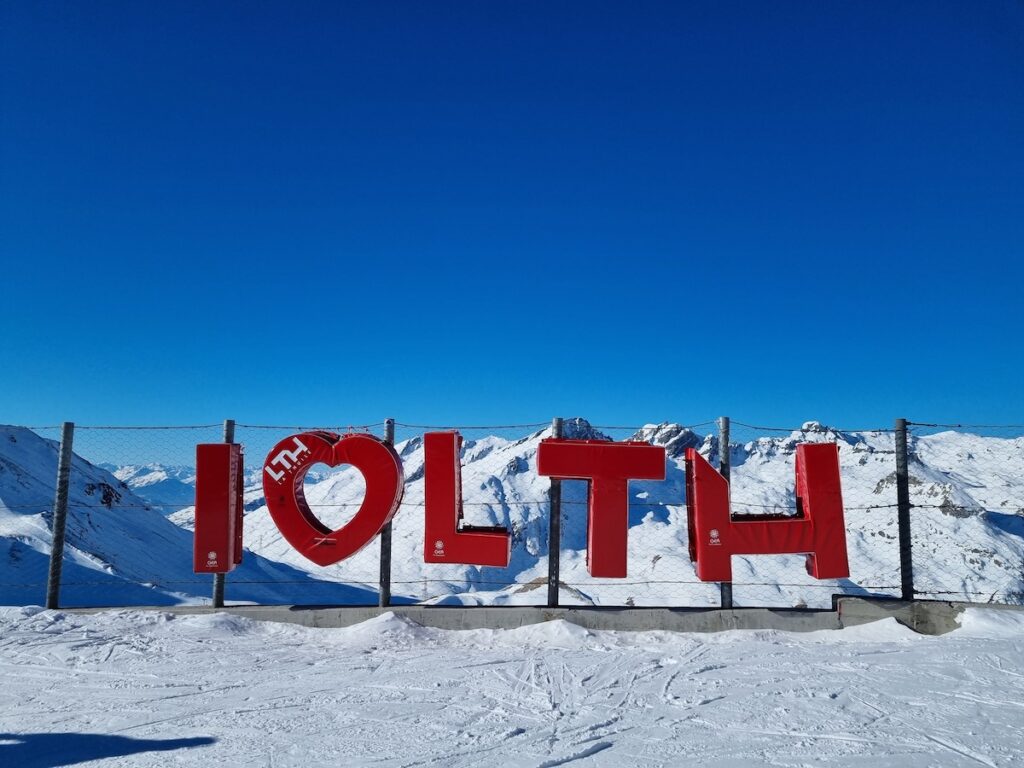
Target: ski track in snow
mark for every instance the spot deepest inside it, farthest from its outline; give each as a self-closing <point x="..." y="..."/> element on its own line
<point x="142" y="689"/>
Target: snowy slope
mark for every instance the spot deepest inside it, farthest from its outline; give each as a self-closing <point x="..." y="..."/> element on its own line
<point x="153" y="689"/>
<point x="167" y="488"/>
<point x="119" y="550"/>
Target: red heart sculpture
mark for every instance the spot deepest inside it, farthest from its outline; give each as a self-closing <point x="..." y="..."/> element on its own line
<point x="283" y="474"/>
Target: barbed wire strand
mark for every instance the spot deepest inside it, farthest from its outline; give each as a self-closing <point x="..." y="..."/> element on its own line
<point x="300" y="428"/>
<point x="218" y="425"/>
<point x="802" y="429"/>
<point x="472" y="582"/>
<point x="524" y="502"/>
<point x="473" y="426"/>
<point x="966" y="426"/>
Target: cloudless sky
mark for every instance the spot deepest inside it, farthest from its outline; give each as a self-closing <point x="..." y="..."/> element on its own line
<point x="498" y="212"/>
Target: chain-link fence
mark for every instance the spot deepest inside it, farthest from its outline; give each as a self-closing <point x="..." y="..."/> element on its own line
<point x="334" y="495"/>
<point x="966" y="487"/>
<point x="28" y="464"/>
<point x="659" y="571"/>
<point x="123" y="544"/>
<point x="762" y="481"/>
<point x="500" y="487"/>
<point x="131" y="494"/>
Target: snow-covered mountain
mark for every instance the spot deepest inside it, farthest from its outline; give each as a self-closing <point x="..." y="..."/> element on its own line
<point x="166" y="487"/>
<point x="120" y="550"/>
<point x="968" y="522"/>
<point x="171" y="488"/>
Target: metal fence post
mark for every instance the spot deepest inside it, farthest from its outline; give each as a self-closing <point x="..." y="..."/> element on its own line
<point x="218" y="578"/>
<point x="385" y="535"/>
<point x="724" y="587"/>
<point x="60" y="514"/>
<point x="554" y="527"/>
<point x="903" y="511"/>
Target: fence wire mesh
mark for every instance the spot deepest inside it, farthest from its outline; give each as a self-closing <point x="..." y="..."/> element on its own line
<point x="28" y="465"/>
<point x="500" y="487"/>
<point x="967" y="515"/>
<point x="763" y="482"/>
<point x="659" y="571"/>
<point x="128" y="489"/>
<point x="334" y="495"/>
<point x="130" y="518"/>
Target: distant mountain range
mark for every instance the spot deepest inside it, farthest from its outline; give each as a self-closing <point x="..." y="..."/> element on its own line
<point x="167" y="488"/>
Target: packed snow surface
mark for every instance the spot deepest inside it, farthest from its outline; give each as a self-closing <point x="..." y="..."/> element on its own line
<point x="147" y="688"/>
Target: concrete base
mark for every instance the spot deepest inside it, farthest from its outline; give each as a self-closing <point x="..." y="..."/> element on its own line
<point x="929" y="617"/>
<point x="926" y="617"/>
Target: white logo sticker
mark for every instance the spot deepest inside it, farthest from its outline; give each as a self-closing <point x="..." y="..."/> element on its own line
<point x="286" y="460"/>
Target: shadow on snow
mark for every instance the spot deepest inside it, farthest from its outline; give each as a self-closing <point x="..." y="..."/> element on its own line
<point x="48" y="750"/>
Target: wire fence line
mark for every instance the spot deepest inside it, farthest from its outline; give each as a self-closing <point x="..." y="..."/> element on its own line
<point x="957" y="533"/>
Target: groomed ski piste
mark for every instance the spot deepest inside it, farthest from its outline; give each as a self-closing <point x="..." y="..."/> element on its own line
<point x="145" y="688"/>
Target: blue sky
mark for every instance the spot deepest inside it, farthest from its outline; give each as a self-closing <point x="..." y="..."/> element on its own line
<point x="500" y="212"/>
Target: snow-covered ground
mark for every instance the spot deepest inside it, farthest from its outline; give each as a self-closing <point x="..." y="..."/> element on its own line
<point x="139" y="689"/>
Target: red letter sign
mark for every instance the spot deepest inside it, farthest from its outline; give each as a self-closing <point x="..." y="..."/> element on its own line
<point x="283" y="473"/>
<point x="217" y="545"/>
<point x="818" y="529"/>
<point x="609" y="467"/>
<point x="446" y="539"/>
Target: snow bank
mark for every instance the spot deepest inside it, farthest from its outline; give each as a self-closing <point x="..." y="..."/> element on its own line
<point x="992" y="623"/>
<point x="155" y="688"/>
